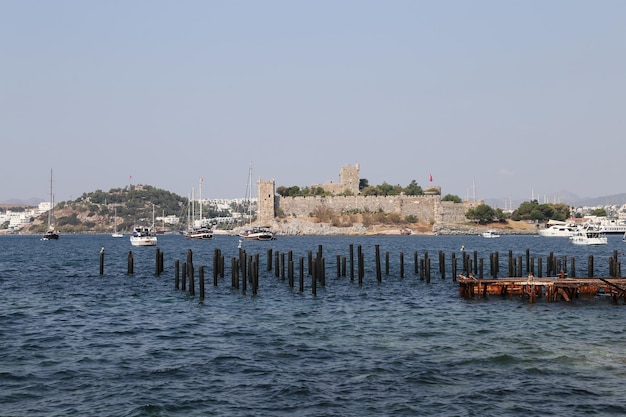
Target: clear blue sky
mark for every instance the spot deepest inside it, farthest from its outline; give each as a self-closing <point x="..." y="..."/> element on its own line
<point x="515" y="97"/>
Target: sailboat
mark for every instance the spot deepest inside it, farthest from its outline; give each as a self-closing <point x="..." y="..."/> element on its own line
<point x="51" y="234"/>
<point x="201" y="231"/>
<point x="115" y="232"/>
<point x="254" y="232"/>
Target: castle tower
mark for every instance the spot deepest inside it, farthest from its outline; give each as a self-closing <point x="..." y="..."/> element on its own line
<point x="349" y="178"/>
<point x="265" y="201"/>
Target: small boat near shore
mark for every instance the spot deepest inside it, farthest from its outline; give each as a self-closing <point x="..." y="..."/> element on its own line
<point x="257" y="233"/>
<point x="199" y="233"/>
<point x="490" y="234"/>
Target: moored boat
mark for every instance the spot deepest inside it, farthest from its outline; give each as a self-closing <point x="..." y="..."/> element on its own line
<point x="589" y="235"/>
<point x="199" y="233"/>
<point x="143" y="236"/>
<point x="490" y="234"/>
<point x="51" y="234"/>
<point x="257" y="233"/>
<point x="555" y="228"/>
<point x="115" y="232"/>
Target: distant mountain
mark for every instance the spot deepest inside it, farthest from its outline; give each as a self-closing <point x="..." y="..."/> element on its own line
<point x="616" y="199"/>
<point x="564" y="197"/>
<point x="33" y="201"/>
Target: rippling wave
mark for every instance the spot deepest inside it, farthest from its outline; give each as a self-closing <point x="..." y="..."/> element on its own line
<point x="77" y="343"/>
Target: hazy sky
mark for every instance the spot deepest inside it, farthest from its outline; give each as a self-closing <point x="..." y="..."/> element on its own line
<point x="514" y="97"/>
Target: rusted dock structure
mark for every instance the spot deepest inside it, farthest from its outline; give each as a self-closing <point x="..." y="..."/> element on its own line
<point x="535" y="288"/>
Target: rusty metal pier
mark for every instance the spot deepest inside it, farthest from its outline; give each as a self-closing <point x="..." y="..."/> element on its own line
<point x="553" y="289"/>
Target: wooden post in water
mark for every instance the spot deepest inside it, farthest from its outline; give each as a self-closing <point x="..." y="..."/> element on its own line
<point x="401" y="264"/>
<point x="243" y="263"/>
<point x="442" y="264"/>
<point x="244" y="277"/>
<point x="192" y="286"/>
<point x="301" y="272"/>
<point x="161" y="262"/>
<point x="277" y="264"/>
<point x="157" y="257"/>
<point x="216" y="265"/>
<point x="313" y="276"/>
<point x="131" y="263"/>
<point x="590" y="266"/>
<point x="475" y="262"/>
<point x="189" y="258"/>
<point x="378" y="271"/>
<point x="176" y="274"/>
<point x="269" y="259"/>
<point x="427" y="263"/>
<point x="480" y="268"/>
<point x="351" y="262"/>
<point x="255" y="275"/>
<point x="540" y="267"/>
<point x="343" y="266"/>
<point x="573" y="267"/>
<point x="201" y="281"/>
<point x="102" y="261"/>
<point x="496" y="264"/>
<point x="282" y="266"/>
<point x="290" y="274"/>
<point x="235" y="272"/>
<point x="415" y="263"/>
<point x="360" y="263"/>
<point x="183" y="282"/>
<point x="338" y="266"/>
<point x="454" y="267"/>
<point x="527" y="261"/>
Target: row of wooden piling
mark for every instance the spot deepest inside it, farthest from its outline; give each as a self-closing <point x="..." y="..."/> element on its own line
<point x="245" y="267"/>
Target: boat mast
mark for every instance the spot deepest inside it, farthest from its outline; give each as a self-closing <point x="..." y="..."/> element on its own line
<point x="250" y="195"/>
<point x="51" y="212"/>
<point x="200" y="201"/>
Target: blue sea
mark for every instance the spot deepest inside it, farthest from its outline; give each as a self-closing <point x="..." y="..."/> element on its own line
<point x="78" y="343"/>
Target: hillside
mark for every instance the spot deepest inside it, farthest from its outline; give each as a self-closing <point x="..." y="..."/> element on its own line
<point x="95" y="213"/>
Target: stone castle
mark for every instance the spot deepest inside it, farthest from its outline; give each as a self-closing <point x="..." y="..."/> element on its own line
<point x="426" y="208"/>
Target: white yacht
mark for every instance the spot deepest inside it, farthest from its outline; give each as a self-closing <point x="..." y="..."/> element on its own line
<point x="589" y="235"/>
<point x="556" y="228"/>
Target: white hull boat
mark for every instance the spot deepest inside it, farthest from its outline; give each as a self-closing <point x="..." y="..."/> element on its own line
<point x="588" y="236"/>
<point x="143" y="236"/>
<point x="558" y="229"/>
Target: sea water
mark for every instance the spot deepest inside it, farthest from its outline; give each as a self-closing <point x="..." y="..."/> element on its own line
<point x="77" y="343"/>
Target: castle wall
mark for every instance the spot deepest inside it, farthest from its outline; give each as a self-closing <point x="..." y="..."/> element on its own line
<point x="425" y="208"/>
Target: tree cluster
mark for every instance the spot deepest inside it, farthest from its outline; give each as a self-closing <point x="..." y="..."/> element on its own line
<point x="484" y="214"/>
<point x="532" y="210"/>
<point x="365" y="189"/>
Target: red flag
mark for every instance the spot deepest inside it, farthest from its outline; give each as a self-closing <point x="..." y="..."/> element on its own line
<point x="431" y="177"/>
